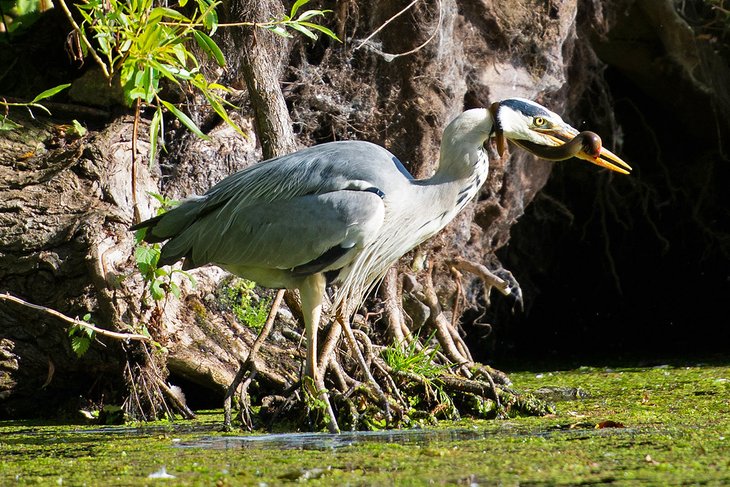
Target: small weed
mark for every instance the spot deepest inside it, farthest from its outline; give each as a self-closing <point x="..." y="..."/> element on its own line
<point x="81" y="337"/>
<point x="422" y="362"/>
<point x="250" y="309"/>
<point x="414" y="360"/>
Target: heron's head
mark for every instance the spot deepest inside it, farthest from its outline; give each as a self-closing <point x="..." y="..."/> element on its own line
<point x="543" y="133"/>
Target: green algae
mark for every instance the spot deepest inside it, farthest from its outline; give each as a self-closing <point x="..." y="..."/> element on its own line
<point x="625" y="426"/>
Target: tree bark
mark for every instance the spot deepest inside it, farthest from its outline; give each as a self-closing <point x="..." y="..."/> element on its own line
<point x="260" y="57"/>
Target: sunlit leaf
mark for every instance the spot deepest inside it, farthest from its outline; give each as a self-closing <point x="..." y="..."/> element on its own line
<point x="50" y="92"/>
<point x="157" y="291"/>
<point x="311" y="13"/>
<point x="210" y="47"/>
<point x="80" y="345"/>
<point x="169" y="13"/>
<point x="221" y="111"/>
<point x="157" y="121"/>
<point x="300" y="28"/>
<point x="295" y="7"/>
<point x="167" y="71"/>
<point x="279" y="30"/>
<point x="175" y="290"/>
<point x="184" y="119"/>
<point x="146" y="258"/>
<point x="322" y="29"/>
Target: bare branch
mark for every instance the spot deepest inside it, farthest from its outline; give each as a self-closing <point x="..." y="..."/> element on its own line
<point x="77" y="322"/>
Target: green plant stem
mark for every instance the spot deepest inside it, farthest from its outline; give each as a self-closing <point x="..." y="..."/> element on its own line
<point x="135" y="128"/>
<point x="92" y="51"/>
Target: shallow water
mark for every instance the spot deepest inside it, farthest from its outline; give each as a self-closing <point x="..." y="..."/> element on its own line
<point x="328" y="441"/>
<point x="670" y="425"/>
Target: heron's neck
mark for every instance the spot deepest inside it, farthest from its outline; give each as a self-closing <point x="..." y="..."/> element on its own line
<point x="462" y="153"/>
<point x="463" y="168"/>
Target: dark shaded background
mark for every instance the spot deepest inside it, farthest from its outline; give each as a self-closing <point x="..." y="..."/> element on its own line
<point x="634" y="268"/>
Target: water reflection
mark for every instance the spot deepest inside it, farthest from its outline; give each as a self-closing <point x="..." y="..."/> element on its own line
<point x="326" y="441"/>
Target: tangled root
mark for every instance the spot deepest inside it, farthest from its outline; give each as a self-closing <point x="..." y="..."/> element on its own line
<point x="410" y="379"/>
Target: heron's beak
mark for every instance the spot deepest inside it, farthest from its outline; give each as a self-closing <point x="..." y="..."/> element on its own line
<point x="590" y="150"/>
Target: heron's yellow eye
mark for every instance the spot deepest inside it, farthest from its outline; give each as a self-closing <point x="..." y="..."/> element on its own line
<point x="538" y="121"/>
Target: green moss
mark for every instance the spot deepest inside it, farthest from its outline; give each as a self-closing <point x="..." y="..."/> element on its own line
<point x="676" y="430"/>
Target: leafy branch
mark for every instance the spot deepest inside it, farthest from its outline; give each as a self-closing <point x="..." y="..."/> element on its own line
<point x="147" y="258"/>
<point x="142" y="45"/>
<point x="7" y="124"/>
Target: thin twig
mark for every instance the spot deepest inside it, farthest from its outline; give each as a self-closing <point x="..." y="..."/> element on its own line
<point x="135" y="134"/>
<point x="386" y="23"/>
<point x="249" y="364"/>
<point x="390" y="57"/>
<point x="76" y="322"/>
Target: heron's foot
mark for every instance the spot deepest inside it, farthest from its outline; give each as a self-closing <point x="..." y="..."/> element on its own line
<point x="317" y="400"/>
<point x="510" y="287"/>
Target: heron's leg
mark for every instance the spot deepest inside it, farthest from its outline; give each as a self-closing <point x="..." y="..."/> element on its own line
<point x="312" y="294"/>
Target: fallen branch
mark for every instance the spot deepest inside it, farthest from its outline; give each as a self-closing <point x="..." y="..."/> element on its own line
<point x="249" y="365"/>
<point x="77" y="322"/>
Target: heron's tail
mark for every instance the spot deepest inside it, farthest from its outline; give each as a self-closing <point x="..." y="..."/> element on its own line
<point x="169" y="226"/>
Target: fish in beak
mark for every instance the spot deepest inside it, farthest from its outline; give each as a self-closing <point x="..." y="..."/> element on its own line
<point x="584" y="145"/>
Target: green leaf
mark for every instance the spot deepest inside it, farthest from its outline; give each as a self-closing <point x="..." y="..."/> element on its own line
<point x="155" y="126"/>
<point x="209" y="15"/>
<point x="160" y="199"/>
<point x="146" y="257"/>
<point x="80" y="345"/>
<point x="221" y="111"/>
<point x="157" y="291"/>
<point x="168" y="72"/>
<point x="185" y="120"/>
<point x="322" y="29"/>
<point x="303" y="30"/>
<point x="209" y="46"/>
<point x="50" y="92"/>
<point x="139" y="236"/>
<point x="78" y="129"/>
<point x="312" y="13"/>
<point x="175" y="290"/>
<point x="278" y="30"/>
<point x="296" y="6"/>
<point x="160" y="12"/>
<point x="189" y="276"/>
<point x="7" y="124"/>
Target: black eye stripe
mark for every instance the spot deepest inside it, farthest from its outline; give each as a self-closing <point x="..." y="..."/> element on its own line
<point x="526" y="108"/>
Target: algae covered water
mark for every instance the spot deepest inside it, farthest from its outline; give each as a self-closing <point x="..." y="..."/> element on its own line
<point x="667" y="425"/>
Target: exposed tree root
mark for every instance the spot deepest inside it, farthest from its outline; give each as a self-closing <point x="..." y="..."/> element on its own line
<point x="363" y="384"/>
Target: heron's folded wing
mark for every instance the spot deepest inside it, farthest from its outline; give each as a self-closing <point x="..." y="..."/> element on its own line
<point x="281" y="234"/>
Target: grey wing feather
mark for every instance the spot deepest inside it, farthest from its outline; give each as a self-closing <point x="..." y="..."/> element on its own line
<point x="319" y="169"/>
<point x="284" y="212"/>
<point x="282" y="234"/>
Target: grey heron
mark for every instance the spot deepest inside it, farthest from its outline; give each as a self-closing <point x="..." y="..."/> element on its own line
<point x="346" y="211"/>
